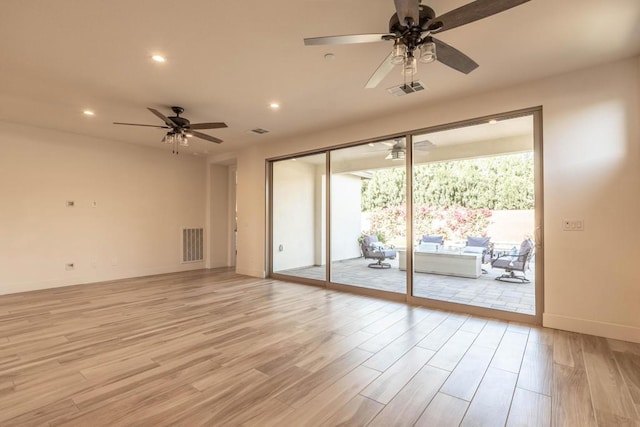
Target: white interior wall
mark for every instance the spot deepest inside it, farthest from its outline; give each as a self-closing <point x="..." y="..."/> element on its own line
<point x="143" y="197"/>
<point x="320" y="226"/>
<point x="591" y="172"/>
<point x="346" y="216"/>
<point x="293" y="215"/>
<point x="219" y="213"/>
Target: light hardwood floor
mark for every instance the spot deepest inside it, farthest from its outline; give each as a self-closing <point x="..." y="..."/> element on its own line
<point x="216" y="348"/>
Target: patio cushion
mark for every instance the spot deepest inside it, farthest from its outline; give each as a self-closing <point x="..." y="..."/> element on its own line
<point x="432" y="239"/>
<point x="478" y="241"/>
<point x="368" y="240"/>
<point x="376" y="245"/>
<point x="525" y="246"/>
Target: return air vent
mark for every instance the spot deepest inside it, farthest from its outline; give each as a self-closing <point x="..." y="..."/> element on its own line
<point x="192" y="244"/>
<point x="406" y="89"/>
<point x="259" y="131"/>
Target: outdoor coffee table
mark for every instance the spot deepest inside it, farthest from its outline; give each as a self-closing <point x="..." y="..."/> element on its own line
<point x="448" y="263"/>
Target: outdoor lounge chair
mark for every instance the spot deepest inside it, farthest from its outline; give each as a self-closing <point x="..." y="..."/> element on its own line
<point x="372" y="248"/>
<point x="480" y="246"/>
<point x="515" y="262"/>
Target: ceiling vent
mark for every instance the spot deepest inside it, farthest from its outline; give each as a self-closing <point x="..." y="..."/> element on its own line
<point x="406" y="89"/>
<point x="259" y="131"/>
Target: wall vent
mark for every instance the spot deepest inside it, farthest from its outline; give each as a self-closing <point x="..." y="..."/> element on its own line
<point x="192" y="244"/>
<point x="259" y="131"/>
<point x="406" y="89"/>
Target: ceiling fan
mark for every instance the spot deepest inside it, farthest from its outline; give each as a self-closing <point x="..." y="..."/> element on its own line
<point x="411" y="29"/>
<point x="398" y="148"/>
<point x="180" y="128"/>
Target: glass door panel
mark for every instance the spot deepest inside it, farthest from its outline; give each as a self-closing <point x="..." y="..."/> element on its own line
<point x="474" y="215"/>
<point x="368" y="215"/>
<point x="298" y="216"/>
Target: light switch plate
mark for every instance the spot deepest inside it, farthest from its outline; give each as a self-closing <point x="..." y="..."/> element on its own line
<point x="573" y="225"/>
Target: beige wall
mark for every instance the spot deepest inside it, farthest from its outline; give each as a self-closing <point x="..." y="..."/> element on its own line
<point x="509" y="227"/>
<point x="293" y="214"/>
<point x="143" y="197"/>
<point x="592" y="172"/>
<point x="219" y="216"/>
<point x="346" y="216"/>
<point x="320" y="223"/>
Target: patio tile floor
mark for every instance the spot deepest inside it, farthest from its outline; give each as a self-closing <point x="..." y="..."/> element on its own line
<point x="484" y="291"/>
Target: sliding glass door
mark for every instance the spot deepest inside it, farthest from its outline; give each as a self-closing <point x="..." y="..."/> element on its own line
<point x="458" y="207"/>
<point x="298" y="217"/>
<point x="474" y="215"/>
<point x="368" y="215"/>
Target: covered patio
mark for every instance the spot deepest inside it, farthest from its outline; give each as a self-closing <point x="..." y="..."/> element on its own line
<point x="484" y="291"/>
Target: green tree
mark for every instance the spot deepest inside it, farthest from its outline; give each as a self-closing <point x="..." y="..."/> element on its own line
<point x="499" y="182"/>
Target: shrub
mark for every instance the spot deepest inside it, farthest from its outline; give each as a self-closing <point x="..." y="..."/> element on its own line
<point x="455" y="223"/>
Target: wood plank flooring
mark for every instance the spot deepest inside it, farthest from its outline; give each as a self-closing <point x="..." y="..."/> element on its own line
<point x="216" y="348"/>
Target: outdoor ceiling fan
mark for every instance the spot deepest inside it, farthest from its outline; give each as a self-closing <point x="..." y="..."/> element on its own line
<point x="398" y="149"/>
<point x="411" y="29"/>
<point x="180" y="128"/>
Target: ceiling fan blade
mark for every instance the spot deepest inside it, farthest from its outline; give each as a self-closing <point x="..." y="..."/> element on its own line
<point x="408" y="9"/>
<point x="205" y="136"/>
<point x="164" y="118"/>
<point x="215" y="125"/>
<point x="424" y="145"/>
<point x="382" y="71"/>
<point x="136" y="124"/>
<point x="348" y="39"/>
<point x="453" y="58"/>
<point x="474" y="11"/>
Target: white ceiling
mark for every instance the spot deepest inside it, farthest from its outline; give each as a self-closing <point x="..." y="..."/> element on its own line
<point x="226" y="61"/>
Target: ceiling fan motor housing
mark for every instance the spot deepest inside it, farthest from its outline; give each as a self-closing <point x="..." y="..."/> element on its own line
<point x="412" y="37"/>
<point x="180" y="121"/>
<point x="426" y="14"/>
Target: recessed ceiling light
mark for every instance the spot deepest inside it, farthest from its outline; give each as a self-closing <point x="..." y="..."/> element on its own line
<point x="158" y="58"/>
<point x="493" y="121"/>
<point x="88" y="113"/>
<point x="371" y="144"/>
<point x="274" y="105"/>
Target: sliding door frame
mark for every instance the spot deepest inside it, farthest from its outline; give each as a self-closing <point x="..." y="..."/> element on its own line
<point x="535" y="112"/>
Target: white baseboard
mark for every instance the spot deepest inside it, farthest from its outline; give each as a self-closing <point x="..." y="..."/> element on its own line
<point x="592" y="327"/>
<point x="13" y="288"/>
<point x="253" y="273"/>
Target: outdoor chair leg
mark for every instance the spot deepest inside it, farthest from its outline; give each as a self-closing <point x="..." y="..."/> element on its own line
<point x="380" y="264"/>
<point x="511" y="276"/>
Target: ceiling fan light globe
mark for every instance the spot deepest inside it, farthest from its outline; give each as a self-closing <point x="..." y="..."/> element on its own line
<point x="410" y="67"/>
<point x="399" y="53"/>
<point x="428" y="52"/>
<point x="397" y="155"/>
